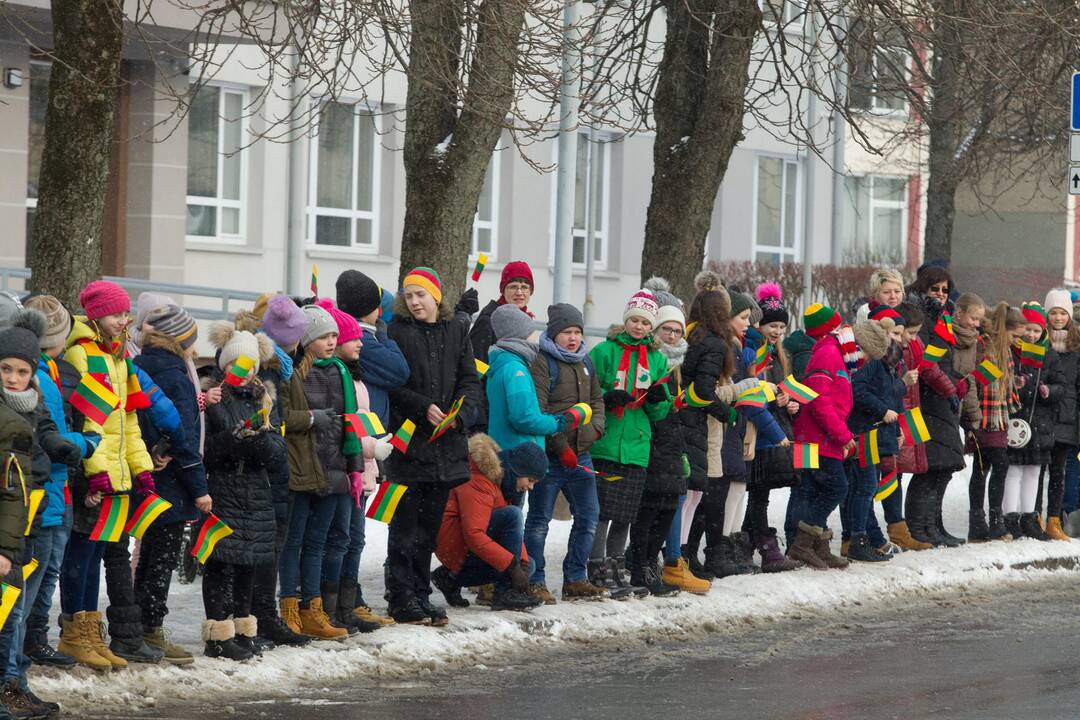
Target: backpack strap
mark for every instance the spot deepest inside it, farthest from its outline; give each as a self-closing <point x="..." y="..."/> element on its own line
<point x="553" y="370"/>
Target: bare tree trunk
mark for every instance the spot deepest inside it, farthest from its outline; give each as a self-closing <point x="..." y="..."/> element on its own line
<point x="698" y="112"/>
<point x="447" y="150"/>
<point x="88" y="37"/>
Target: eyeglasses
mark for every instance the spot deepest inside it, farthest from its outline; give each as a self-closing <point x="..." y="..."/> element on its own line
<point x="939" y="289"/>
<point x="674" y="332"/>
<point x="518" y="287"/>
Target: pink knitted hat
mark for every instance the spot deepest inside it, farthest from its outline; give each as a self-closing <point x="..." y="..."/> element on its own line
<point x="348" y="327"/>
<point x="101" y="298"/>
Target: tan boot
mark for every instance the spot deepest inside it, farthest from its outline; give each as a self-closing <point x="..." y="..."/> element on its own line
<point x="901" y="535"/>
<point x="174" y="654"/>
<point x="541" y="592"/>
<point x="315" y="623"/>
<point x="803" y="547"/>
<point x="1054" y="530"/>
<point x="74" y="643"/>
<point x="821" y="547"/>
<point x="95" y="632"/>
<point x="844" y="548"/>
<point x="289" y="609"/>
<point x="680" y="576"/>
<point x="366" y="614"/>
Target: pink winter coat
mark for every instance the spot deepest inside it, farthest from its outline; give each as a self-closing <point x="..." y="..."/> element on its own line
<point x="363" y="404"/>
<point x="824" y="420"/>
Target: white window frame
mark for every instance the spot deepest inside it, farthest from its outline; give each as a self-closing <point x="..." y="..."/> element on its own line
<point x="875" y="94"/>
<point x="793" y="14"/>
<point x="600" y="235"/>
<point x="875" y="204"/>
<point x="219" y="202"/>
<point x="313" y="210"/>
<point x="786" y="254"/>
<point x="493" y="224"/>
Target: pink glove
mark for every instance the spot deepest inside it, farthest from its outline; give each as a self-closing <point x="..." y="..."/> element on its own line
<point x="100" y="483"/>
<point x="356" y="487"/>
<point x="144" y="483"/>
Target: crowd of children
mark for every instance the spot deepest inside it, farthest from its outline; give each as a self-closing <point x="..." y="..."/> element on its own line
<point x="666" y="439"/>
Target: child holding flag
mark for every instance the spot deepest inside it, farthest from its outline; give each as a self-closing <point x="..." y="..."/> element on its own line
<point x="108" y="395"/>
<point x="443" y="375"/>
<point x="241" y="446"/>
<point x="1065" y="340"/>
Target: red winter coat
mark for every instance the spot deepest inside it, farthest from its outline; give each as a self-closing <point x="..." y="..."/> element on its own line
<point x="824" y="419"/>
<point x="468" y="512"/>
<point x="912" y="458"/>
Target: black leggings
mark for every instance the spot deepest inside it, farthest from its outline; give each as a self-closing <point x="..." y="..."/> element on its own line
<point x="757" y="509"/>
<point x="1055" y="493"/>
<point x="996" y="461"/>
<point x="227" y="590"/>
<point x="648" y="532"/>
<point x="714" y="503"/>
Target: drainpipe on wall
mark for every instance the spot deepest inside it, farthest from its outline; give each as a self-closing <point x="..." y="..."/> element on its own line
<point x="297" y="220"/>
<point x="840" y="139"/>
<point x="808" y="181"/>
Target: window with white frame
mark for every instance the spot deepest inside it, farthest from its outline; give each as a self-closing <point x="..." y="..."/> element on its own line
<point x="591" y="188"/>
<point x="485" y="225"/>
<point x="782" y="12"/>
<point x="343" y="190"/>
<point x="875" y="219"/>
<point x="776" y="209"/>
<point x="217" y="164"/>
<point x="880" y="72"/>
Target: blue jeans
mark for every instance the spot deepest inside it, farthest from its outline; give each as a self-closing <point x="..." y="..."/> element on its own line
<point x="351" y="525"/>
<point x="41" y="548"/>
<point x="672" y="548"/>
<point x="1072" y="484"/>
<point x="825" y="490"/>
<point x="339" y="539"/>
<point x="301" y="560"/>
<point x="37" y="621"/>
<point x="579" y="487"/>
<point x="859" y="503"/>
<point x="798" y="501"/>
<point x="11" y="638"/>
<point x="80" y="574"/>
<point x="505" y="527"/>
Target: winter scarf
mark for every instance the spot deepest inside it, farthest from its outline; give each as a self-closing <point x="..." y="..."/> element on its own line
<point x="631" y="347"/>
<point x="21" y="402"/>
<point x="1058" y="339"/>
<point x="54" y="371"/>
<point x="285" y="361"/>
<point x="98" y="368"/>
<point x="675" y="354"/>
<point x="552" y="348"/>
<point x="521" y="348"/>
<point x="849" y="348"/>
<point x="350" y="444"/>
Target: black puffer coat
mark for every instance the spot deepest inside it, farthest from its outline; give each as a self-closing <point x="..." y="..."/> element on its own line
<point x="325" y="390"/>
<point x="774" y="467"/>
<point x="1067" y="412"/>
<point x="443" y="369"/>
<point x="16" y="443"/>
<point x="704" y="366"/>
<point x="665" y="474"/>
<point x="1036" y="410"/>
<point x="945" y="449"/>
<point x="237" y="476"/>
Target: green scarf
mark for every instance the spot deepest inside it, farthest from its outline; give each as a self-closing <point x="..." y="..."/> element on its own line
<point x="350" y="444"/>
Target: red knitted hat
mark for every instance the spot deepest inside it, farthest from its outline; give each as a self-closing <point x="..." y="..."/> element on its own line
<point x="101" y="298"/>
<point x="513" y="270"/>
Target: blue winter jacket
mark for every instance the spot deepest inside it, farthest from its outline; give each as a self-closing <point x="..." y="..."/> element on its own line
<point x="875" y="388"/>
<point x="514" y="415"/>
<point x="53" y="513"/>
<point x="384" y="368"/>
<point x="770" y="434"/>
<point x="184" y="478"/>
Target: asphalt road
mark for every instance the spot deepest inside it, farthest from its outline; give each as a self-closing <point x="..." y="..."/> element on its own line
<point x="1002" y="653"/>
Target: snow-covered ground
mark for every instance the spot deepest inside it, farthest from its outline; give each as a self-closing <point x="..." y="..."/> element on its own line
<point x="478" y="636"/>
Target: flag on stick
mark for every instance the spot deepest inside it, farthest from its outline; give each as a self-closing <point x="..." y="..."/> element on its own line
<point x="384" y="503"/>
<point x="212" y="532"/>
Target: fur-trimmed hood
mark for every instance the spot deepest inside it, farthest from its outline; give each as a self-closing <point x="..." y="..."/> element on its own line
<point x="614" y="330"/>
<point x="484" y="458"/>
<point x="153" y="338"/>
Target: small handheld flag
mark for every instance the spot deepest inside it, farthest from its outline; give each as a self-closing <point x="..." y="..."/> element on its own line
<point x="403" y="436"/>
<point x="761" y="361"/>
<point x="9" y="594"/>
<point x="1032" y="354"/>
<point x="213" y="530"/>
<point x="579" y="415"/>
<point x="986" y="373"/>
<point x="754" y="397"/>
<point x="914" y="427"/>
<point x="448" y="420"/>
<point x="36" y="496"/>
<point x="934" y="353"/>
<point x="944" y="329"/>
<point x="384" y="503"/>
<point x="29" y="568"/>
<point x="887" y="485"/>
<point x="481" y="261"/>
<point x="481" y="367"/>
<point x="261" y="418"/>
<point x="868" y="449"/>
<point x="796" y="390"/>
<point x="365" y="424"/>
<point x="147" y="512"/>
<point x="690" y="398"/>
<point x="239" y="370"/>
<point x="806" y="456"/>
<point x="314" y="280"/>
<point x="111" y="519"/>
<point x="93" y="399"/>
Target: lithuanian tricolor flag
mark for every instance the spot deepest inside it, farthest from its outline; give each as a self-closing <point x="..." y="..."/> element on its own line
<point x="944" y="329"/>
<point x="403" y="436"/>
<point x="934" y="352"/>
<point x="806" y="456"/>
<point x="447" y="421"/>
<point x="887" y="485"/>
<point x="754" y="397"/>
<point x="385" y="501"/>
<point x="481" y="261"/>
<point x="986" y="373"/>
<point x="314" y="280"/>
<point x="365" y="424"/>
<point x="213" y="530"/>
<point x="761" y="360"/>
<point x="580" y="414"/>
<point x="1032" y="354"/>
<point x="914" y="427"/>
<point x="93" y="399"/>
<point x="868" y="449"/>
<point x="9" y="594"/>
<point x="239" y="370"/>
<point x="690" y="398"/>
<point x="798" y="392"/>
<point x="112" y="517"/>
<point x="146" y="514"/>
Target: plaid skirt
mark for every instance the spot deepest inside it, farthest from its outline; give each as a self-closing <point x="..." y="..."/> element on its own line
<point x="619" y="499"/>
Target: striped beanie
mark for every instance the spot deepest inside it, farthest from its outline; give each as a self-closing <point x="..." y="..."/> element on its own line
<point x="426" y="278"/>
<point x="882" y="312"/>
<point x="820" y="320"/>
<point x="643" y="305"/>
<point x="1034" y="313"/>
<point x="57" y="319"/>
<point x="175" y="322"/>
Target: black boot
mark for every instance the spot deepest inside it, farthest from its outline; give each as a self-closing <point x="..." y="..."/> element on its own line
<point x="978" y="530"/>
<point x="273" y="629"/>
<point x="860" y="550"/>
<point x="720" y="558"/>
<point x="347" y="603"/>
<point x="409" y="613"/>
<point x="1012" y="524"/>
<point x="1029" y="524"/>
<point x="696" y="568"/>
<point x="601" y="575"/>
<point x="939" y="523"/>
<point x="638" y="576"/>
<point x="514" y="600"/>
<point x="654" y="581"/>
<point x="744" y="553"/>
<point x="220" y="639"/>
<point x="998" y="529"/>
<point x="445" y="582"/>
<point x="921" y="516"/>
<point x="37" y="648"/>
<point x="126" y="631"/>
<point x="621" y="575"/>
<point x="330" y="592"/>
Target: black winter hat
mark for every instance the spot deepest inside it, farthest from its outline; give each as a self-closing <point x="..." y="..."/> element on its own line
<point x="22" y="339"/>
<point x="562" y="316"/>
<point x="357" y="294"/>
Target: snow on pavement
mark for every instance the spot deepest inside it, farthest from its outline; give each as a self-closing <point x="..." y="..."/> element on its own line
<point x="478" y="636"/>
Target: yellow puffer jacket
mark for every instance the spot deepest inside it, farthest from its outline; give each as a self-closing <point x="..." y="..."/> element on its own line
<point x="121" y="452"/>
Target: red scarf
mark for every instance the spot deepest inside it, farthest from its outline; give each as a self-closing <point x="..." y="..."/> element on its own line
<point x="502" y="301"/>
<point x="642" y="379"/>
